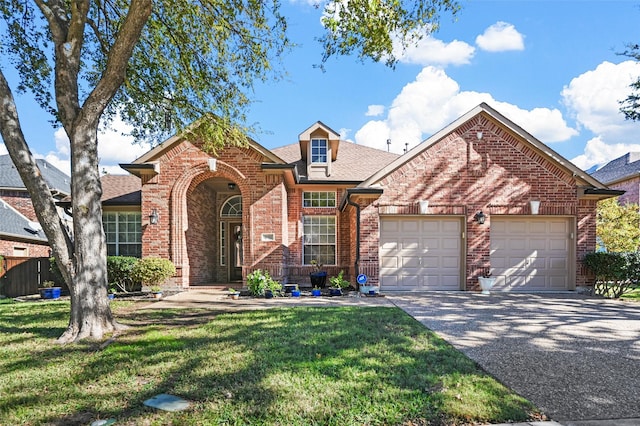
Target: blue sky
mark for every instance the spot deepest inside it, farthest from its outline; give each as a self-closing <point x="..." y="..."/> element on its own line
<point x="550" y="66"/>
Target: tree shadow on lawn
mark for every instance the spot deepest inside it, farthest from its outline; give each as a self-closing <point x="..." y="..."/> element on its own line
<point x="278" y="366"/>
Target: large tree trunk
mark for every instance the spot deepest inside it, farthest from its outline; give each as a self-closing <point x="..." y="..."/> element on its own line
<point x="90" y="312"/>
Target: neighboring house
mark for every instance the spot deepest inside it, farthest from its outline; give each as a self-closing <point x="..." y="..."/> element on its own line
<point x="359" y="209"/>
<point x="20" y="232"/>
<point x="623" y="173"/>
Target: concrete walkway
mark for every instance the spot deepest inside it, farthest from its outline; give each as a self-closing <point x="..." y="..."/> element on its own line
<point x="576" y="358"/>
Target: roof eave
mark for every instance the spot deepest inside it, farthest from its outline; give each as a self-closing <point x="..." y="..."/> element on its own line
<point x="363" y="192"/>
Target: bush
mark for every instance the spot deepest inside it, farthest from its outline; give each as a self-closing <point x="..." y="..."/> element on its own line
<point x="615" y="273"/>
<point x="119" y="273"/>
<point x="339" y="281"/>
<point x="258" y="281"/>
<point x="152" y="271"/>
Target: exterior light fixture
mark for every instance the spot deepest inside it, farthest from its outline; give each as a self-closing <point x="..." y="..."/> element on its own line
<point x="153" y="217"/>
<point x="231" y="186"/>
<point x="479" y="135"/>
<point x="480" y="217"/>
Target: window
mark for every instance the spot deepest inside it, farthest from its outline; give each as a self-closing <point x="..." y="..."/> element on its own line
<point x="319" y="239"/>
<point x="318" y="150"/>
<point x="223" y="243"/>
<point x="319" y="199"/>
<point x="124" y="233"/>
<point x="232" y="207"/>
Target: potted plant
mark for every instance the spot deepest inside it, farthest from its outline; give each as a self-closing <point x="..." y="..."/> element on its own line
<point x="156" y="290"/>
<point x="486" y="281"/>
<point x="337" y="284"/>
<point x="112" y="293"/>
<point x="316" y="292"/>
<point x="233" y="293"/>
<point x="260" y="281"/>
<point x="49" y="290"/>
<point x="318" y="275"/>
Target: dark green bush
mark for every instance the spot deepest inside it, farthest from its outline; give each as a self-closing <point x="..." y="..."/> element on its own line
<point x="119" y="273"/>
<point x="615" y="273"/>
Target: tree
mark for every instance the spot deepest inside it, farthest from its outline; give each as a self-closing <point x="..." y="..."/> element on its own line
<point x="160" y="65"/>
<point x="631" y="105"/>
<point x="618" y="226"/>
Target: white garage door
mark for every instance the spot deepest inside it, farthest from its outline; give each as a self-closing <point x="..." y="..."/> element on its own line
<point x="420" y="254"/>
<point x="531" y="254"/>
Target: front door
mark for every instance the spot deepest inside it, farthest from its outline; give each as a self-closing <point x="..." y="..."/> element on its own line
<point x="235" y="267"/>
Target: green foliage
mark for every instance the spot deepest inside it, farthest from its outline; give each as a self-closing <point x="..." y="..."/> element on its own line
<point x="339" y="281"/>
<point x="258" y="281"/>
<point x="119" y="273"/>
<point x="630" y="107"/>
<point x="618" y="226"/>
<point x="616" y="273"/>
<point x="153" y="271"/>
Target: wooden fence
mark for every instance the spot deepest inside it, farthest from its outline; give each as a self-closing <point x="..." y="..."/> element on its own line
<point x="22" y="276"/>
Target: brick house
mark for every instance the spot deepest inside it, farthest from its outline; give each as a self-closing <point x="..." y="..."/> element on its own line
<point x="20" y="232"/>
<point x="623" y="174"/>
<point x="481" y="194"/>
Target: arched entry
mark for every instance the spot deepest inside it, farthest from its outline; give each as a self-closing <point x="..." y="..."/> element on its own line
<point x="231" y="250"/>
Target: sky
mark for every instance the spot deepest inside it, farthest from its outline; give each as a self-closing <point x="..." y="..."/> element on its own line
<point x="552" y="67"/>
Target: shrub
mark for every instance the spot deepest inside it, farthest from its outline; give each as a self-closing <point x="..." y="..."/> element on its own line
<point x="339" y="281"/>
<point x="258" y="281"/>
<point x="615" y="273"/>
<point x="119" y="273"/>
<point x="152" y="271"/>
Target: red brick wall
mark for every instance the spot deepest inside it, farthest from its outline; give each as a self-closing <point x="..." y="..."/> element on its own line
<point x="34" y="250"/>
<point x="498" y="174"/>
<point x="202" y="246"/>
<point x="632" y="188"/>
<point x="21" y="201"/>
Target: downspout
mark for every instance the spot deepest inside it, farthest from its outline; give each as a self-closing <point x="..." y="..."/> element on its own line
<point x="357" y="262"/>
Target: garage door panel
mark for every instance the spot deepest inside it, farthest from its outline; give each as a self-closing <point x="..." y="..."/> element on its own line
<point x="530" y="254"/>
<point x="426" y="255"/>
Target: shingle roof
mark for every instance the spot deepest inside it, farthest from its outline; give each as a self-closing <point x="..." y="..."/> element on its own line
<point x="121" y="190"/>
<point x="14" y="224"/>
<point x="354" y="162"/>
<point x="622" y="167"/>
<point x="55" y="178"/>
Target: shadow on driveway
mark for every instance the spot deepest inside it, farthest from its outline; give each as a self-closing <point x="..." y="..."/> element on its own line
<point x="576" y="358"/>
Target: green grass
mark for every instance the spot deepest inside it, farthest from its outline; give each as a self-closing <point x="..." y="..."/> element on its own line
<point x="298" y="366"/>
<point x="633" y="294"/>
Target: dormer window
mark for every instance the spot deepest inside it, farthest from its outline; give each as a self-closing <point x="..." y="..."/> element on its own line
<point x="319" y="148"/>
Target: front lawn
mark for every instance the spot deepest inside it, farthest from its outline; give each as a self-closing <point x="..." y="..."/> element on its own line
<point x="297" y="366"/>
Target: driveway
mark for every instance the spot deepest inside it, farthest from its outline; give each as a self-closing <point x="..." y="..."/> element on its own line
<point x="576" y="358"/>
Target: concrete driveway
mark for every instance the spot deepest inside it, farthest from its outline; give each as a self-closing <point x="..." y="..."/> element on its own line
<point x="576" y="358"/>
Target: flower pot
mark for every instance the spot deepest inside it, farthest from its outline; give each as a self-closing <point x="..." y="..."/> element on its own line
<point x="318" y="279"/>
<point x="157" y="295"/>
<point x="50" y="292"/>
<point x="268" y="294"/>
<point x="295" y="293"/>
<point x="235" y="296"/>
<point x="335" y="292"/>
<point x="111" y="296"/>
<point x="486" y="284"/>
<point x="316" y="292"/>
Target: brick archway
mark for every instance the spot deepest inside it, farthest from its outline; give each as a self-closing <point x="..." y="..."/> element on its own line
<point x="179" y="210"/>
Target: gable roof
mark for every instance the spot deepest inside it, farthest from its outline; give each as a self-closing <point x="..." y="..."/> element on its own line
<point x="354" y="164"/>
<point x="597" y="187"/>
<point x="121" y="190"/>
<point x="16" y="226"/>
<point x="55" y="178"/>
<point x="621" y="168"/>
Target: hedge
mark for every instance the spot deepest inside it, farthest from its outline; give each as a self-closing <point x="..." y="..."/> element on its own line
<point x="615" y="273"/>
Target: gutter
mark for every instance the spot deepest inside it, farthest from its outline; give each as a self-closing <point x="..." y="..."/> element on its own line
<point x="346" y="200"/>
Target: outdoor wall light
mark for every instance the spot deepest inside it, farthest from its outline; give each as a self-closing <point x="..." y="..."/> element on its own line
<point x="153" y="217"/>
<point x="231" y="186"/>
<point x="479" y="217"/>
<point x="479" y="135"/>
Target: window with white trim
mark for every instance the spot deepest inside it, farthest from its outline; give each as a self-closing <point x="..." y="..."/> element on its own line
<point x="319" y="199"/>
<point x="319" y="151"/>
<point x="123" y="231"/>
<point x="319" y="239"/>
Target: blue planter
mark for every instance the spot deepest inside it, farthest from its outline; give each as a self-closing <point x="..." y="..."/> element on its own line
<point x="316" y="292"/>
<point x="335" y="292"/>
<point x="295" y="293"/>
<point x="50" y="293"/>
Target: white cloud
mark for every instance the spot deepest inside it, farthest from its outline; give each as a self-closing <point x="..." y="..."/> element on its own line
<point x="3" y="149"/>
<point x="344" y="133"/>
<point x="431" y="51"/>
<point x="593" y="99"/>
<point x="433" y="100"/>
<point x="596" y="151"/>
<point x="374" y="110"/>
<point x="113" y="148"/>
<point x="500" y="37"/>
